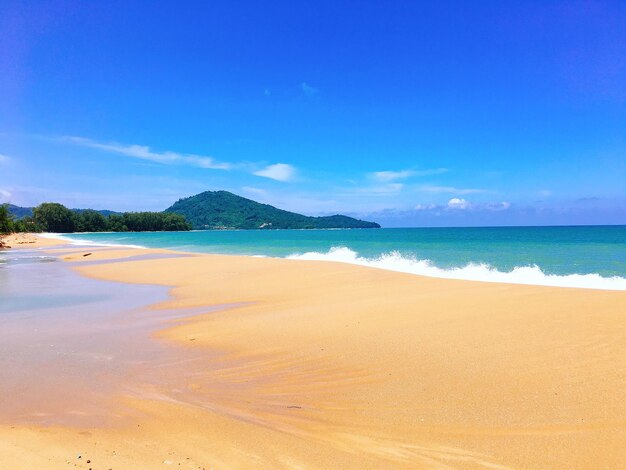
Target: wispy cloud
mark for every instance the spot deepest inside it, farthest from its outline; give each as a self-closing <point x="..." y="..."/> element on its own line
<point x="427" y="188"/>
<point x="5" y="196"/>
<point x="425" y="207"/>
<point x="377" y="190"/>
<point x="145" y="153"/>
<point x="498" y="206"/>
<point x="385" y="188"/>
<point x="254" y="191"/>
<point x="278" y="172"/>
<point x="457" y="203"/>
<point x="385" y="176"/>
<point x="4" y="159"/>
<point x="432" y="171"/>
<point x="308" y="90"/>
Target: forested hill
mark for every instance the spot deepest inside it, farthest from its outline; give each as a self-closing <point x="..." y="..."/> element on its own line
<point x="21" y="212"/>
<point x="225" y="210"/>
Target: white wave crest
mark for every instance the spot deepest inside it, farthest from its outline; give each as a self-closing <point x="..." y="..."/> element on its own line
<point x="531" y="275"/>
<point x="73" y="241"/>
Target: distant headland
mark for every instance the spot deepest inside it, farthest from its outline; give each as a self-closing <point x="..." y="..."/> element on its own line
<point x="210" y="210"/>
<point x="225" y="210"/>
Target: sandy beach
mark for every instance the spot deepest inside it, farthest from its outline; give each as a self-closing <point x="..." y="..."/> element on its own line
<point x="325" y="365"/>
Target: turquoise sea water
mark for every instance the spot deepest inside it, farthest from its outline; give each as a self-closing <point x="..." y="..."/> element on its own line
<point x="587" y="256"/>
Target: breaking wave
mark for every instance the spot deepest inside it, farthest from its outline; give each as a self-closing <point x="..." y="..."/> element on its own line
<point x="532" y="275"/>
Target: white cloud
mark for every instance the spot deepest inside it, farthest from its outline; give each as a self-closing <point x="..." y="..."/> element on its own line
<point x="457" y="203"/>
<point x="450" y="189"/>
<point x="278" y="172"/>
<point x="4" y="159"/>
<point x="143" y="152"/>
<point x="5" y="196"/>
<point x="308" y="90"/>
<point x="545" y="193"/>
<point x="385" y="176"/>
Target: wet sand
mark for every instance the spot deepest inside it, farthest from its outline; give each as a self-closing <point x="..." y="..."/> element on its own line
<point x="326" y="365"/>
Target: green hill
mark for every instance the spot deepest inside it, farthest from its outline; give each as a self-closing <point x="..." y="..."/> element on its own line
<point x="20" y="212"/>
<point x="225" y="210"/>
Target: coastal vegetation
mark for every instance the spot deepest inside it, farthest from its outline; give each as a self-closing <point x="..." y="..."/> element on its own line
<point x="9" y="223"/>
<point x="225" y="210"/>
<point x="55" y="217"/>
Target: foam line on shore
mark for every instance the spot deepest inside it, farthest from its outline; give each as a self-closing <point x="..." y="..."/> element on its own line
<point x="77" y="242"/>
<point x="394" y="261"/>
<point x="529" y="275"/>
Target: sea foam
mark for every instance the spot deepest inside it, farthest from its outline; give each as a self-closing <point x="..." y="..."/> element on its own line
<point x="532" y="275"/>
<point x="83" y="242"/>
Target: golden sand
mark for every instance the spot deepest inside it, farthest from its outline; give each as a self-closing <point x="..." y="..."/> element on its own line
<point x="28" y="240"/>
<point x="328" y="365"/>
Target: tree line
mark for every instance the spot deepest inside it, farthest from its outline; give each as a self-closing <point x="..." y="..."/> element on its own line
<point x="54" y="217"/>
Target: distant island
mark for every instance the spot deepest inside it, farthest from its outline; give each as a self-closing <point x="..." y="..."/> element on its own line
<point x="225" y="210"/>
<point x="210" y="210"/>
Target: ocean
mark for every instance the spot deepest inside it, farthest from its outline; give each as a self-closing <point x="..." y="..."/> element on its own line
<point x="580" y="256"/>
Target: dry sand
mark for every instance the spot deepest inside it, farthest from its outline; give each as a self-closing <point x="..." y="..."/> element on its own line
<point x="28" y="240"/>
<point x="327" y="365"/>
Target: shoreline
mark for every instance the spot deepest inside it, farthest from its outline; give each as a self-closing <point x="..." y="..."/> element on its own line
<point x="524" y="274"/>
<point x="326" y="363"/>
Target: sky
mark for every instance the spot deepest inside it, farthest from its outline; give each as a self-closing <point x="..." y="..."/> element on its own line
<point x="404" y="112"/>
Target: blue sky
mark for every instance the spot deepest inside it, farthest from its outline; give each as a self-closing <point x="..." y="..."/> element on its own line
<point x="408" y="113"/>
